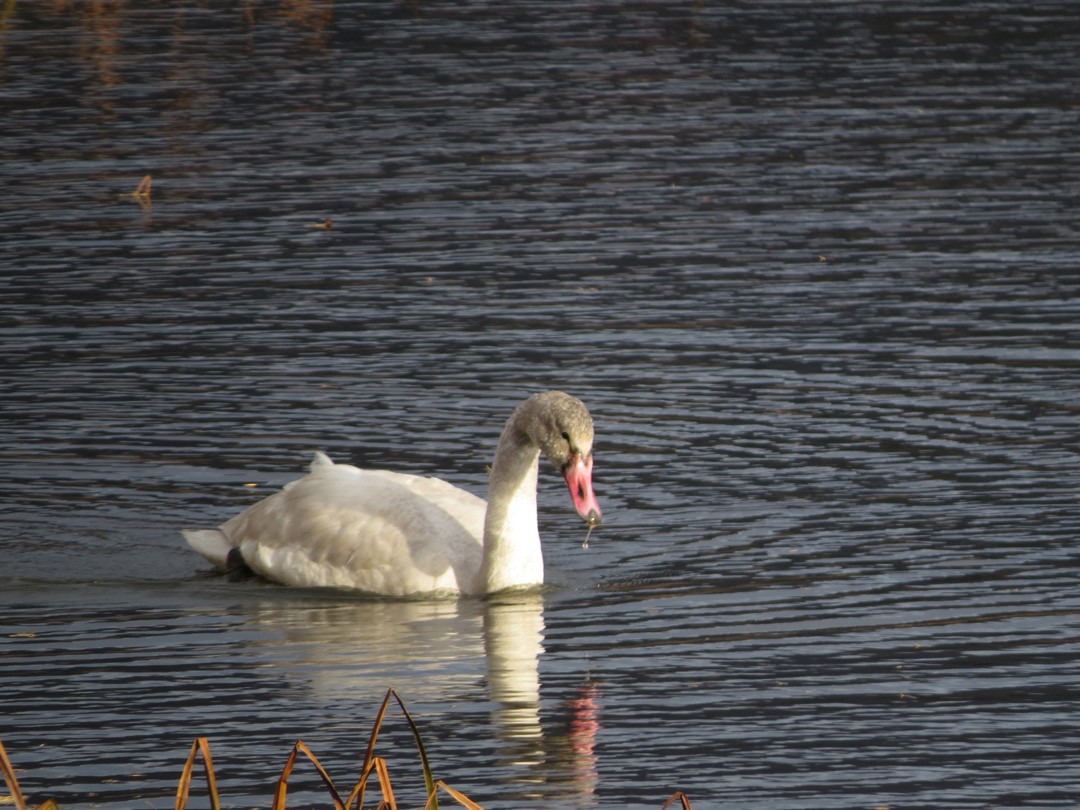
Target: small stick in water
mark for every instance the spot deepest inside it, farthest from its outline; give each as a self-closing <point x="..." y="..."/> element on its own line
<point x="142" y="192"/>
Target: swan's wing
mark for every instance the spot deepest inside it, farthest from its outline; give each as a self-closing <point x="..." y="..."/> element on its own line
<point x="370" y="530"/>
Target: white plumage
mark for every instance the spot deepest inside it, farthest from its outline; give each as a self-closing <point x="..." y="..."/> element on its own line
<point x="400" y="535"/>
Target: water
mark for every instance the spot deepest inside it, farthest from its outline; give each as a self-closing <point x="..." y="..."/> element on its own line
<point x="813" y="267"/>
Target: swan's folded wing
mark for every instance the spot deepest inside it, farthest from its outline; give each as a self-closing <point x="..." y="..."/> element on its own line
<point x="370" y="530"/>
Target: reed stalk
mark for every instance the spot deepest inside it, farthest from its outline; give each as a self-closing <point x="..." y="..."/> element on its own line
<point x="372" y="764"/>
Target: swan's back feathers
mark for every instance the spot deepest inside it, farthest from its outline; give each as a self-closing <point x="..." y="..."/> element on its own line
<point x="370" y="530"/>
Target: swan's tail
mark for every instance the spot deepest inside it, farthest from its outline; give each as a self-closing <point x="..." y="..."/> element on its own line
<point x="211" y="543"/>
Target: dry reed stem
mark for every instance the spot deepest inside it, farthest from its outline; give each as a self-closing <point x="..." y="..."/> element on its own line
<point x="370" y="760"/>
<point x="12" y="782"/>
<point x="678" y="795"/>
<point x="460" y="797"/>
<point x="372" y="763"/>
<point x="183" y="789"/>
<point x="282" y="785"/>
<point x="384" y="783"/>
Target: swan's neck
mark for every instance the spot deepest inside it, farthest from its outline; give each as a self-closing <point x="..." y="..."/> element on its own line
<point x="512" y="553"/>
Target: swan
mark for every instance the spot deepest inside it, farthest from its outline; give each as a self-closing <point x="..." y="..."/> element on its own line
<point x="395" y="534"/>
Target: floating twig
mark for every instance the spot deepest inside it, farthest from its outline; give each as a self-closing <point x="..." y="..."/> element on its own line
<point x="143" y="189"/>
<point x="141" y="194"/>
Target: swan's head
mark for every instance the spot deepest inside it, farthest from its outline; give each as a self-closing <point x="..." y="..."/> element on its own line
<point x="563" y="430"/>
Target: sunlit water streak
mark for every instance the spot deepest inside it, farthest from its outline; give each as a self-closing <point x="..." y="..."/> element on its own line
<point x="813" y="267"/>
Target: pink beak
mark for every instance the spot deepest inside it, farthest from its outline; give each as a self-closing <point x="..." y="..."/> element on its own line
<point x="578" y="474"/>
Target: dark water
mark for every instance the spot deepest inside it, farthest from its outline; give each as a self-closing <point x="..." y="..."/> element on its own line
<point x="813" y="266"/>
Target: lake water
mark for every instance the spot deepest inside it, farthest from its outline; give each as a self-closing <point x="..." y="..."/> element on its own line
<point x="814" y="267"/>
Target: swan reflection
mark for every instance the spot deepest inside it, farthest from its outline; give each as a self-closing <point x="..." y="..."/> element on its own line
<point x="440" y="653"/>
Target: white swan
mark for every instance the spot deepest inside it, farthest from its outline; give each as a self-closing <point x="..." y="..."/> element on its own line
<point x="400" y="535"/>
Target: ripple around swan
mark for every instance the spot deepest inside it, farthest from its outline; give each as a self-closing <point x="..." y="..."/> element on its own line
<point x="813" y="268"/>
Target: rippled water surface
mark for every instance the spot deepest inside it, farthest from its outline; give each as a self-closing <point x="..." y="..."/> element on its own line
<point x="813" y="266"/>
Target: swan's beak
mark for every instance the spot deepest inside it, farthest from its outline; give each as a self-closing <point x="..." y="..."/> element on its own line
<point x="578" y="474"/>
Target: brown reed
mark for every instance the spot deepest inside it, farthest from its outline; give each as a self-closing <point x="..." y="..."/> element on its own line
<point x="372" y="765"/>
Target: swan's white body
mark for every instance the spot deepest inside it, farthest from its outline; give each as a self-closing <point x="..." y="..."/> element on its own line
<point x="400" y="535"/>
